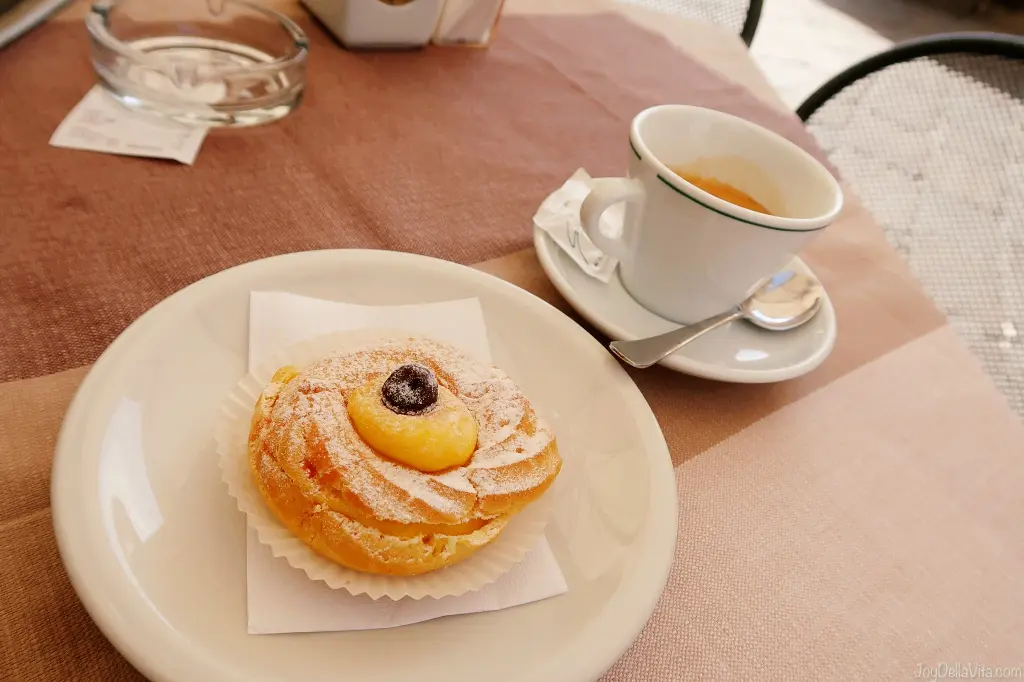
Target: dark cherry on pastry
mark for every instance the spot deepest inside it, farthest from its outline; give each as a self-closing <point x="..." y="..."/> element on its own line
<point x="411" y="389"/>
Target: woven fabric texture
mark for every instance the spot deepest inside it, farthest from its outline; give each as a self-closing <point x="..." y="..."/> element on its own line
<point x="730" y="14"/>
<point x="935" y="148"/>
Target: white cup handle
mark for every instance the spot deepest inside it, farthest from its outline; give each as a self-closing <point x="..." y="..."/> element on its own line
<point x="605" y="193"/>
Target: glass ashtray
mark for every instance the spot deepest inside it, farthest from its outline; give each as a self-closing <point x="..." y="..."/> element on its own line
<point x="205" y="62"/>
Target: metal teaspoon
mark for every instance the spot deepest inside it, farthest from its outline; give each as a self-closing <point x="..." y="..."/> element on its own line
<point x="785" y="301"/>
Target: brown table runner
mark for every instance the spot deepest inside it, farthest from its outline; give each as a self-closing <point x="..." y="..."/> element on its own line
<point x="809" y="555"/>
<point x="396" y="151"/>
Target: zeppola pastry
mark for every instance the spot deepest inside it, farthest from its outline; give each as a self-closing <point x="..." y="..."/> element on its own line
<point x="400" y="458"/>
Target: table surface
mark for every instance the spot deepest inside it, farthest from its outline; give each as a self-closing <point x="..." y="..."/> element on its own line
<point x="857" y="522"/>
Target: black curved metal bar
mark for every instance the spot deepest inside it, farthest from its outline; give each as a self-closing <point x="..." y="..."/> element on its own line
<point x="976" y="42"/>
<point x="753" y="17"/>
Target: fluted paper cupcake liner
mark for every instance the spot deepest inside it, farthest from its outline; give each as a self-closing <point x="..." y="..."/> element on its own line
<point x="522" y="534"/>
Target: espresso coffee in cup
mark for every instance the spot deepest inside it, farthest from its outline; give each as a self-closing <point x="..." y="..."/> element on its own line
<point x="720" y="189"/>
<point x="714" y="204"/>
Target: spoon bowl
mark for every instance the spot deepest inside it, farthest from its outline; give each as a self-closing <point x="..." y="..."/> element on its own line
<point x="785" y="301"/>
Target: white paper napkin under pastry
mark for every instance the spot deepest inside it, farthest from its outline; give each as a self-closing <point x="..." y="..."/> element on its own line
<point x="281" y="598"/>
<point x="559" y="216"/>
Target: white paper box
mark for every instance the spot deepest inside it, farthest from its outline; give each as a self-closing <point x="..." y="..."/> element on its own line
<point x="371" y="23"/>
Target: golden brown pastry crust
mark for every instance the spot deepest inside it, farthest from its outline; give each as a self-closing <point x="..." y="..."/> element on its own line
<point x="369" y="513"/>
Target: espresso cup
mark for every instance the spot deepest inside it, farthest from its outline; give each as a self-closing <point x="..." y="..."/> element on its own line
<point x="686" y="254"/>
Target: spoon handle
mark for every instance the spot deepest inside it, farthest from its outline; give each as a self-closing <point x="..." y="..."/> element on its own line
<point x="643" y="353"/>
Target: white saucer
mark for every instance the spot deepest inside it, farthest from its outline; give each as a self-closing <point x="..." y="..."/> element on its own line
<point x="155" y="546"/>
<point x="738" y="352"/>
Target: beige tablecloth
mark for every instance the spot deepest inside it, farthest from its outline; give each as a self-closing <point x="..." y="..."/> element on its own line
<point x="850" y="524"/>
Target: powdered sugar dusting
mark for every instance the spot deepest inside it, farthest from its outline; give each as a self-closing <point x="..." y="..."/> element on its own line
<point x="511" y="450"/>
<point x="376" y="547"/>
<point x="418" y="485"/>
<point x="456" y="480"/>
<point x="312" y="410"/>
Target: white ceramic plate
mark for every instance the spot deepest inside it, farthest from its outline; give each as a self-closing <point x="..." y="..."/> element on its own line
<point x="738" y="352"/>
<point x="155" y="546"/>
